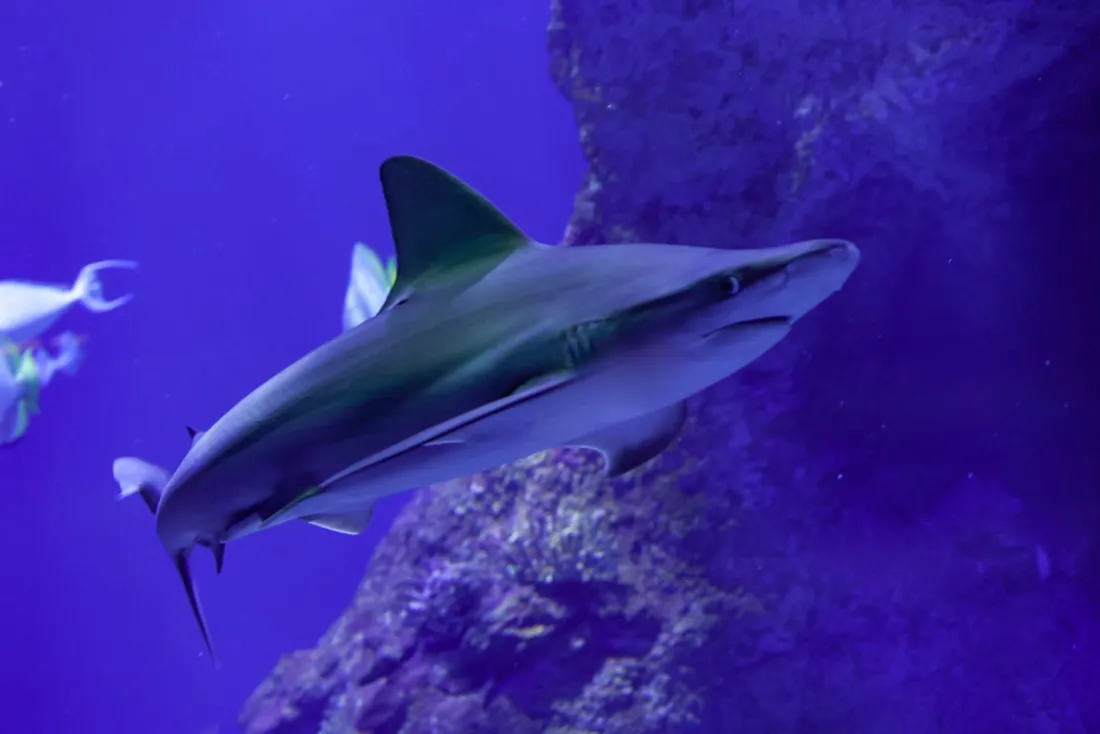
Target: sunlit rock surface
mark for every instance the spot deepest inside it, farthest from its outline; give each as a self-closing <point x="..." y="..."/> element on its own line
<point x="888" y="524"/>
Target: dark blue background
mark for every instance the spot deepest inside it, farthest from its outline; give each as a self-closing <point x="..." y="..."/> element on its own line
<point x="232" y="149"/>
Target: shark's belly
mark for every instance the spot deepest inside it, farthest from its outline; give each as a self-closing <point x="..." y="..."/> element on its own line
<point x="641" y="381"/>
<point x="466" y="435"/>
<point x="278" y="474"/>
<point x="558" y="417"/>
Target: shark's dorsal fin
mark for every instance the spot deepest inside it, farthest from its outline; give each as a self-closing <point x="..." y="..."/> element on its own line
<point x="351" y="523"/>
<point x="194" y="434"/>
<point x="630" y="444"/>
<point x="446" y="235"/>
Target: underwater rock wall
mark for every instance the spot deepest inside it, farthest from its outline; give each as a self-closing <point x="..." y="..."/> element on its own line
<point x="846" y="538"/>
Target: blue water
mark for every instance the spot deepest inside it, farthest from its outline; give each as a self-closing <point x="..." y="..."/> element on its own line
<point x="232" y="150"/>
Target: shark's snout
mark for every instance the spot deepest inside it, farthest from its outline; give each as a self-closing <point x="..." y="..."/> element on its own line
<point x="801" y="276"/>
<point x="832" y="258"/>
<point x="814" y="276"/>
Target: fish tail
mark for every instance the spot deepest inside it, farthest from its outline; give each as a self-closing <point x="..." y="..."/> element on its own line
<point x="368" y="286"/>
<point x="391" y="272"/>
<point x="89" y="290"/>
<point x="70" y="355"/>
<point x="30" y="377"/>
<point x="70" y="352"/>
<point x="14" y="425"/>
<point x="135" y="476"/>
<point x="180" y="559"/>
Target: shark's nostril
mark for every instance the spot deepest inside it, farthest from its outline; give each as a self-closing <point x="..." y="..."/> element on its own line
<point x="829" y="257"/>
<point x="774" y="282"/>
<point x="843" y="250"/>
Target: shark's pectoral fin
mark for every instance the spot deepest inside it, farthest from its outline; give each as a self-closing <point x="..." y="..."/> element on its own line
<point x="473" y="431"/>
<point x="630" y="444"/>
<point x="446" y="235"/>
<point x="351" y="523"/>
<point x="275" y="509"/>
<point x="456" y="439"/>
<point x="543" y="383"/>
<point x="218" y="549"/>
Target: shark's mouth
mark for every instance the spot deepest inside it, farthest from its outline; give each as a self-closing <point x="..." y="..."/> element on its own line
<point x="765" y="321"/>
<point x="749" y="323"/>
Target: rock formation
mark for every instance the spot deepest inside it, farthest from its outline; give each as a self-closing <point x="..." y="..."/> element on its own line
<point x="883" y="526"/>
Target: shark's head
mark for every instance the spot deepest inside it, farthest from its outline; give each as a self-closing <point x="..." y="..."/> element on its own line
<point x="736" y="306"/>
<point x="779" y="285"/>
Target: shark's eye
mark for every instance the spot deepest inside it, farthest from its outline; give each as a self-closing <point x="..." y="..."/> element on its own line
<point x="733" y="285"/>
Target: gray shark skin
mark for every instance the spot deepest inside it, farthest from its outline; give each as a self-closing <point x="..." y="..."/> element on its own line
<point x="490" y="347"/>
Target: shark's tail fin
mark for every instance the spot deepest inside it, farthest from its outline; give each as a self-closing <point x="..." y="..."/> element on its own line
<point x="70" y="355"/>
<point x="180" y="559"/>
<point x="135" y="476"/>
<point x="89" y="290"/>
<point x="70" y="352"/>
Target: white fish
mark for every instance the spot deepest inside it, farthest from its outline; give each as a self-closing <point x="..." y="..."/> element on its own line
<point x="368" y="285"/>
<point x="27" y="310"/>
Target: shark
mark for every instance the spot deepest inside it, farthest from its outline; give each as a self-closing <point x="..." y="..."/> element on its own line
<point x="489" y="347"/>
